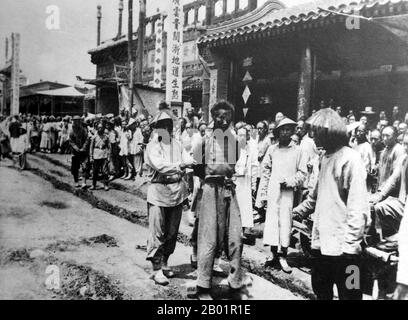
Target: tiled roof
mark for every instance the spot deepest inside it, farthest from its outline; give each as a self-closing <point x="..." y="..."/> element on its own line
<point x="300" y="14"/>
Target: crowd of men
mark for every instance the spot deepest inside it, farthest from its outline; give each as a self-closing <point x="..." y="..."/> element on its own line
<point x="351" y="175"/>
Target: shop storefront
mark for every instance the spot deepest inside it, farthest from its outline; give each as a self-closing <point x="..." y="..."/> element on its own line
<point x="290" y="59"/>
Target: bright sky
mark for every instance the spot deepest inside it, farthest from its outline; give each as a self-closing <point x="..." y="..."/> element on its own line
<point x="60" y="55"/>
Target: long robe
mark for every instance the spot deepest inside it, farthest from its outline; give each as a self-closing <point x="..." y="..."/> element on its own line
<point x="280" y="163"/>
<point x="245" y="183"/>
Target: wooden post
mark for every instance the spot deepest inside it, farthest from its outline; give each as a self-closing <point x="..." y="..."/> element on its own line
<point x="252" y="4"/>
<point x="140" y="40"/>
<point x="4" y="98"/>
<point x="99" y="17"/>
<point x="130" y="53"/>
<point x="7" y="48"/>
<point x="52" y="105"/>
<point x="305" y="83"/>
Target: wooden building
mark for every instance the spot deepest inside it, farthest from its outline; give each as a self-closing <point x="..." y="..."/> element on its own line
<point x="51" y="98"/>
<point x="289" y="59"/>
<point x="198" y="16"/>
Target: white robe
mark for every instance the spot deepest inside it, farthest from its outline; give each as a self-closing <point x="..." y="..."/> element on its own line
<point x="245" y="182"/>
<point x="280" y="163"/>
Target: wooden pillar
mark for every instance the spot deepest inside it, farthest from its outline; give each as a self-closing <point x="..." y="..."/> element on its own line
<point x="140" y="40"/>
<point x="38" y="106"/>
<point x="224" y="68"/>
<point x="305" y="82"/>
<point x="53" y="106"/>
<point x="206" y="98"/>
<point x="209" y="11"/>
<point x="130" y="53"/>
<point x="98" y="100"/>
<point x="4" y="97"/>
<point x="252" y="4"/>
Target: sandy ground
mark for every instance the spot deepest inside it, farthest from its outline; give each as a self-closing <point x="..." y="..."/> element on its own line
<point x="95" y="253"/>
<point x="127" y="199"/>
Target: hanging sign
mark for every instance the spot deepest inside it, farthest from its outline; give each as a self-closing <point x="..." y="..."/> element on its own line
<point x="174" y="72"/>
<point x="247" y="77"/>
<point x="213" y="87"/>
<point x="158" y="57"/>
<point x="246" y="94"/>
<point x="245" y="110"/>
<point x="305" y="84"/>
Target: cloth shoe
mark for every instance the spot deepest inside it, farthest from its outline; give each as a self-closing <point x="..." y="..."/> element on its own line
<point x="166" y="270"/>
<point x="284" y="264"/>
<point x="217" y="271"/>
<point x="160" y="279"/>
<point x="203" y="293"/>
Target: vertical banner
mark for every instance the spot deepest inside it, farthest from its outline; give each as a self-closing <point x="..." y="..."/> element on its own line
<point x="158" y="52"/>
<point x="15" y="74"/>
<point x="174" y="72"/>
<point x="305" y="83"/>
<point x="213" y="89"/>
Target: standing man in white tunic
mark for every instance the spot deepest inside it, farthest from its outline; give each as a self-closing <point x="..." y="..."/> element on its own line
<point x="283" y="171"/>
<point x="166" y="193"/>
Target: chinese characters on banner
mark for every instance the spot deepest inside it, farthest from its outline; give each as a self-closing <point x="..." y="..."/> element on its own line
<point x="174" y="72"/>
<point x="213" y="88"/>
<point x="158" y="57"/>
<point x="15" y="74"/>
<point x="305" y="84"/>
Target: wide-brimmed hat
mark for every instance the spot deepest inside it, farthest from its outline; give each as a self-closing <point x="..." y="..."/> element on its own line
<point x="76" y="118"/>
<point x="160" y="116"/>
<point x="368" y="110"/>
<point x="284" y="122"/>
<point x="164" y="113"/>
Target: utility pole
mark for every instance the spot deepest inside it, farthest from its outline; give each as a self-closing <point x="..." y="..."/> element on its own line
<point x="7" y="48"/>
<point x="15" y="74"/>
<point x="99" y="17"/>
<point x="130" y="54"/>
<point x="140" y="40"/>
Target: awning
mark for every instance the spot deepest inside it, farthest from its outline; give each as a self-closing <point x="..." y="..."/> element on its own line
<point x="63" y="92"/>
<point x="308" y="15"/>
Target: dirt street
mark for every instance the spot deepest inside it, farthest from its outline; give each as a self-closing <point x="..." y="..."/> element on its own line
<point x="52" y="238"/>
